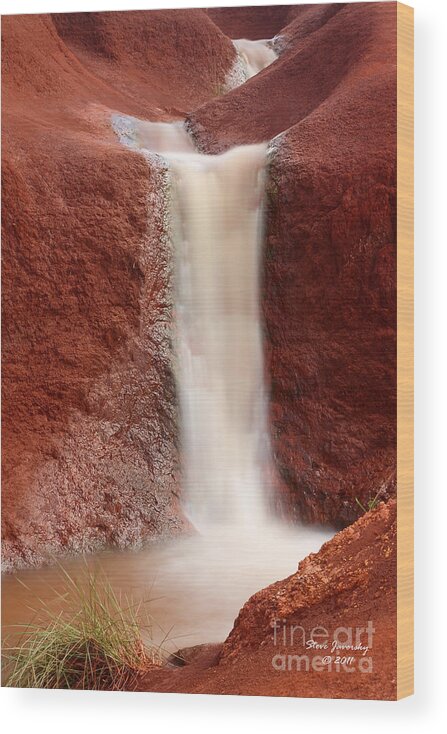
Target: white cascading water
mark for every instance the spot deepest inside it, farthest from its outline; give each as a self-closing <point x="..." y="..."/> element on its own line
<point x="256" y="55"/>
<point x="217" y="215"/>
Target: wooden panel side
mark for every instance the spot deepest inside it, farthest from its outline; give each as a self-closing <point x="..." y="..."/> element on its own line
<point x="405" y="203"/>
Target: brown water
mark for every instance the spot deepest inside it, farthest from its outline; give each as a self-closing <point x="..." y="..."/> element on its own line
<point x="195" y="585"/>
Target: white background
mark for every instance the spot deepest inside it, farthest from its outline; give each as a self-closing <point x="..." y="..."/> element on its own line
<point x="67" y="712"/>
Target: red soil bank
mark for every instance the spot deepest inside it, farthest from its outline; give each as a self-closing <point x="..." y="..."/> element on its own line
<point x="351" y="581"/>
<point x="330" y="257"/>
<point x="177" y="59"/>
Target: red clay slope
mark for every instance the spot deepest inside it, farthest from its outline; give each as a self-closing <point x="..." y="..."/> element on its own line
<point x="89" y="411"/>
<point x="177" y="59"/>
<point x="330" y="255"/>
<point x="349" y="583"/>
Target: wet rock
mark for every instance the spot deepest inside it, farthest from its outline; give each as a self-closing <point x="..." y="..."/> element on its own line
<point x="89" y="402"/>
<point x="205" y="655"/>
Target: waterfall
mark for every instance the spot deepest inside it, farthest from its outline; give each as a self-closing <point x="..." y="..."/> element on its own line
<point x="216" y="211"/>
<point x="256" y="55"/>
<point x="216" y="215"/>
<point x="215" y="207"/>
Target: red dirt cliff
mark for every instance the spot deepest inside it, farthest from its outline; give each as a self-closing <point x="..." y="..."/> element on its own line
<point x="89" y="408"/>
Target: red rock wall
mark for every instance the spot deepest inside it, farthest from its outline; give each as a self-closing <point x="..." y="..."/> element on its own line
<point x="178" y="59"/>
<point x="89" y="409"/>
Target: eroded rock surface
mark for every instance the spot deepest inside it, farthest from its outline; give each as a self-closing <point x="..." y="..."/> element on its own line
<point x="89" y="408"/>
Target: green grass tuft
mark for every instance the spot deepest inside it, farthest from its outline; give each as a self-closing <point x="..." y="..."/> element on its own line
<point x="97" y="647"/>
<point x="371" y="504"/>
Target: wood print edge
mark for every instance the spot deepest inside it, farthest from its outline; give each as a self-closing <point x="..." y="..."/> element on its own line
<point x="405" y="351"/>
